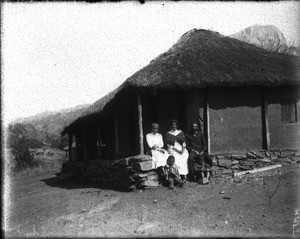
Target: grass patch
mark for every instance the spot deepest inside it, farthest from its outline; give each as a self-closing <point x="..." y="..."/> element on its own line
<point x="42" y="164"/>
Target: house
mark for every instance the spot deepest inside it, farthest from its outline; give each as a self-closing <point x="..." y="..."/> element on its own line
<point x="245" y="97"/>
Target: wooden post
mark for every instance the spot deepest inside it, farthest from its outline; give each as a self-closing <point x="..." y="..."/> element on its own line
<point x="200" y="121"/>
<point x="140" y="117"/>
<point x="201" y="115"/>
<point x="116" y="137"/>
<point x="99" y="140"/>
<point x="76" y="147"/>
<point x="265" y="123"/>
<point x="85" y="153"/>
<point x="70" y="146"/>
<point x="206" y="122"/>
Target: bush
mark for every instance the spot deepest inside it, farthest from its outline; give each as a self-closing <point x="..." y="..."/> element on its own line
<point x="20" y="139"/>
<point x="22" y="157"/>
<point x="22" y="136"/>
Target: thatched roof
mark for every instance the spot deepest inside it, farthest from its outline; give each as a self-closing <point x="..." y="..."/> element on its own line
<point x="96" y="107"/>
<point x="99" y="105"/>
<point x="207" y="59"/>
<point x="202" y="59"/>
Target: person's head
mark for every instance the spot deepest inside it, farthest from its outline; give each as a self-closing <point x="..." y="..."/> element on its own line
<point x="154" y="127"/>
<point x="174" y="124"/>
<point x="171" y="160"/>
<point x="195" y="127"/>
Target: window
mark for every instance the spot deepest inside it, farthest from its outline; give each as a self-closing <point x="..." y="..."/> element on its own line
<point x="289" y="111"/>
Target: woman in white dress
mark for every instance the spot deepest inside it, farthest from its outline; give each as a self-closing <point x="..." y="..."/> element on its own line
<point x="155" y="143"/>
<point x="176" y="144"/>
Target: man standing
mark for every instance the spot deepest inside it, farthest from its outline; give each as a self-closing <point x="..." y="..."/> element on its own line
<point x="197" y="147"/>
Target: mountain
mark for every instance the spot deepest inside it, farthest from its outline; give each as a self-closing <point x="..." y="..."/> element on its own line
<point x="268" y="37"/>
<point x="54" y="121"/>
<point x="45" y="128"/>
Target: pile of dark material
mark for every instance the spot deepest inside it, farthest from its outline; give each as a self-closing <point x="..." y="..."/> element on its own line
<point x="229" y="163"/>
<point x="123" y="174"/>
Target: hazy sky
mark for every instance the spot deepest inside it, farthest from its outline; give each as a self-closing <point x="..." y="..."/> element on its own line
<point x="58" y="55"/>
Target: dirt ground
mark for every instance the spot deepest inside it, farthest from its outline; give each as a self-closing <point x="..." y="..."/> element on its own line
<point x="44" y="206"/>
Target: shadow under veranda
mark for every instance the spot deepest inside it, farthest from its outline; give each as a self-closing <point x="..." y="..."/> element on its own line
<point x="72" y="182"/>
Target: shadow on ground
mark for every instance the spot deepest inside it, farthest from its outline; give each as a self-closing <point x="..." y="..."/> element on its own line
<point x="71" y="182"/>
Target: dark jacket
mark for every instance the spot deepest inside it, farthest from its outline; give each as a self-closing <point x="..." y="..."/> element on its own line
<point x="196" y="142"/>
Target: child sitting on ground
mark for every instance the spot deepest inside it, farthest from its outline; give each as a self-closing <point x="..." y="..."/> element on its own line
<point x="171" y="173"/>
<point x="202" y="170"/>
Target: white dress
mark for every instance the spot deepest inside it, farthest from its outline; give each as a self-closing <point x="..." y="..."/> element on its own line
<point x="159" y="155"/>
<point x="181" y="160"/>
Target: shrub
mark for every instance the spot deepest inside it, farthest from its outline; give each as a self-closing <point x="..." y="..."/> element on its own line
<point x="20" y="139"/>
<point x="22" y="136"/>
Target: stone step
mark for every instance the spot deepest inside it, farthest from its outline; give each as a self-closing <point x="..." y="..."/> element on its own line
<point x="143" y="166"/>
<point x="150" y="183"/>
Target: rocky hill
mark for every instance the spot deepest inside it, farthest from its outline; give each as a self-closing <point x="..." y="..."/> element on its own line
<point x="53" y="121"/>
<point x="44" y="128"/>
<point x="268" y="37"/>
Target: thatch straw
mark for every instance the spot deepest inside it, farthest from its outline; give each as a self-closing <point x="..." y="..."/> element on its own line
<point x="202" y="59"/>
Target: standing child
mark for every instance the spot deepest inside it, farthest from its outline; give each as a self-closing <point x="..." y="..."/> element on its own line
<point x="171" y="172"/>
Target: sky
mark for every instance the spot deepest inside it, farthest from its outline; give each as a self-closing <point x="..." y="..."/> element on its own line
<point x="59" y="55"/>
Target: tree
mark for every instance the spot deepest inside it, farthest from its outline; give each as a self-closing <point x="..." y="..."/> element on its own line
<point x="20" y="138"/>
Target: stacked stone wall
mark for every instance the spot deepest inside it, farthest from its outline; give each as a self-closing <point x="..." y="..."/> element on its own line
<point x="229" y="163"/>
<point x="137" y="172"/>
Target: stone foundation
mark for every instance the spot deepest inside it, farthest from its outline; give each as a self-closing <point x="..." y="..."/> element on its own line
<point x="136" y="171"/>
<point x="228" y="163"/>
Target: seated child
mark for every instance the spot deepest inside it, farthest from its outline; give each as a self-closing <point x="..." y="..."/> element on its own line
<point x="171" y="173"/>
<point x="202" y="170"/>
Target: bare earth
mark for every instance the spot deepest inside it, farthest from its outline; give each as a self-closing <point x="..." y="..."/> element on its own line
<point x="44" y="206"/>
